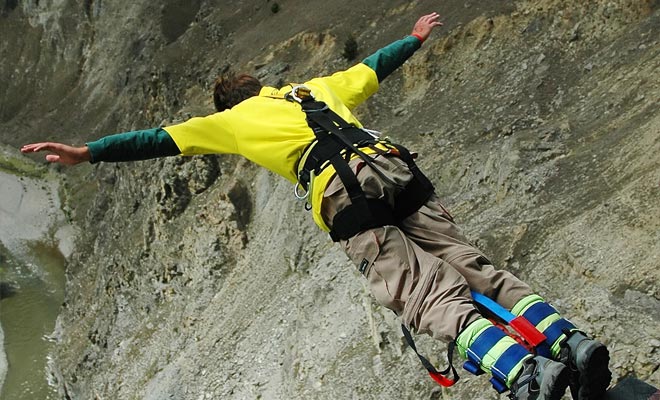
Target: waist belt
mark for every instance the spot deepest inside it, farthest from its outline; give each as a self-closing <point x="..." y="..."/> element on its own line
<point x="352" y="220"/>
<point x="336" y="142"/>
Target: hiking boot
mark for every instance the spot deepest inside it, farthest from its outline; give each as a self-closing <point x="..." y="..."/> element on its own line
<point x="541" y="379"/>
<point x="588" y="360"/>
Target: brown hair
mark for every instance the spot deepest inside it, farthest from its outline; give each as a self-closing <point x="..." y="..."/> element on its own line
<point x="231" y="89"/>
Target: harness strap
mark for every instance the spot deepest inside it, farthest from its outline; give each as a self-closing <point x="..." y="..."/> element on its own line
<point x="349" y="222"/>
<point x="336" y="141"/>
<point x="438" y="376"/>
<point x="412" y="166"/>
<point x="360" y="206"/>
<point x="326" y="146"/>
<point x="326" y="122"/>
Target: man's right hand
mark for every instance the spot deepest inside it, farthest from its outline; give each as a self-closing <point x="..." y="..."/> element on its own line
<point x="63" y="154"/>
<point x="425" y="25"/>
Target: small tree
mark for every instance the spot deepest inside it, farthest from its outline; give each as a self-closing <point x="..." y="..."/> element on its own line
<point x="350" y="48"/>
<point x="274" y="8"/>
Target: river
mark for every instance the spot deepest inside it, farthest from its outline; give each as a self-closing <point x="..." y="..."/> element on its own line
<point x="34" y="240"/>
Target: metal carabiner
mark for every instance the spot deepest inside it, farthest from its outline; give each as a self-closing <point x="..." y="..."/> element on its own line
<point x="303" y="197"/>
<point x="299" y="196"/>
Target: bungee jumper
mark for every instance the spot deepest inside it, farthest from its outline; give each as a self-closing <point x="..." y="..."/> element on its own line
<point x="371" y="197"/>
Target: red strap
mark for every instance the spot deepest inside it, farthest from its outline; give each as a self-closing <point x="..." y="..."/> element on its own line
<point x="527" y="331"/>
<point x="438" y="376"/>
<point x="441" y="379"/>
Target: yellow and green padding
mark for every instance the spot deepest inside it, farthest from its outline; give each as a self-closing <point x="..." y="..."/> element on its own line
<point x="488" y="348"/>
<point x="546" y="319"/>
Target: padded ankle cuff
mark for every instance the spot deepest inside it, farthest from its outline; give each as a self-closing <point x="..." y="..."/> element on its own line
<point x="523" y="304"/>
<point x="487" y="346"/>
<point x="469" y="334"/>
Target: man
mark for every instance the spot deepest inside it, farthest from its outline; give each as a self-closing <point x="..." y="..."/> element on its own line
<point x="371" y="197"/>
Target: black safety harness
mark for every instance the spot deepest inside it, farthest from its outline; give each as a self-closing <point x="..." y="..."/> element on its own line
<point x="336" y="142"/>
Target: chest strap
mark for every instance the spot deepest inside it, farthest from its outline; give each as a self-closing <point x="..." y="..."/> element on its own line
<point x="336" y="142"/>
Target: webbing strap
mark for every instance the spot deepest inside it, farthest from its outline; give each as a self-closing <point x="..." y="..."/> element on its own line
<point x="484" y="343"/>
<point x="538" y="312"/>
<point x="325" y="146"/>
<point x="412" y="197"/>
<point x="330" y="122"/>
<point x="351" y="220"/>
<point x="438" y="376"/>
<point x="492" y="306"/>
<point x="336" y="141"/>
<point x="520" y="324"/>
<point x="351" y="185"/>
<point x="508" y="360"/>
<point x="556" y="329"/>
<point x="412" y="166"/>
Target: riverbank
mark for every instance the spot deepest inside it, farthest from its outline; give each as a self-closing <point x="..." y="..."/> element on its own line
<point x="30" y="206"/>
<point x="34" y="241"/>
<point x="3" y="359"/>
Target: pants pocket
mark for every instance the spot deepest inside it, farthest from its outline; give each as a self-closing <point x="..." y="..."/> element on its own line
<point x="418" y="295"/>
<point x="363" y="249"/>
<point x="383" y="262"/>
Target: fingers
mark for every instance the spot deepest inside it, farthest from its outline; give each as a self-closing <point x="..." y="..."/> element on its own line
<point x="433" y="15"/>
<point x="36" y="147"/>
<point x="30" y="148"/>
<point x="431" y="19"/>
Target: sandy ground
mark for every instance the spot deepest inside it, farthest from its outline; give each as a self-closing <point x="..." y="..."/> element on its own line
<point x="28" y="209"/>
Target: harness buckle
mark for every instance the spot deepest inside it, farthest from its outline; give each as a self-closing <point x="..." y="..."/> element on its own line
<point x="300" y="93"/>
<point x="374" y="134"/>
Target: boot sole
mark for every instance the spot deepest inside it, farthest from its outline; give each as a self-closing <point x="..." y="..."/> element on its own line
<point x="595" y="376"/>
<point x="560" y="385"/>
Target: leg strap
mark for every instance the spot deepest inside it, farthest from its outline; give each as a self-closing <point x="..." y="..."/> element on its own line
<point x="492" y="350"/>
<point x="438" y="376"/>
<point x="547" y="320"/>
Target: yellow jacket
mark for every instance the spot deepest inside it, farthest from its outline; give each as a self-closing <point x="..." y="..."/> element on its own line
<point x="273" y="132"/>
<point x="266" y="129"/>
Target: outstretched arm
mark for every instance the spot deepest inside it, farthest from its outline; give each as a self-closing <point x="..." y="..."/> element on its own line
<point x="68" y="155"/>
<point x="392" y="56"/>
<point x="128" y="146"/>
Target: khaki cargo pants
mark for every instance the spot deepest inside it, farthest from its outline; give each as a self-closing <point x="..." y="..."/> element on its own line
<point x="423" y="269"/>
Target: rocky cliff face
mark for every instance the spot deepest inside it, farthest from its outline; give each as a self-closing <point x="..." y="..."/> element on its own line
<point x="202" y="278"/>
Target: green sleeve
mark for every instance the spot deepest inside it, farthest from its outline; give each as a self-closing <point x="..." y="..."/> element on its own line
<point x="392" y="56"/>
<point x="133" y="146"/>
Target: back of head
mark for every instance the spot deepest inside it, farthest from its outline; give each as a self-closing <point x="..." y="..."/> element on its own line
<point x="231" y="89"/>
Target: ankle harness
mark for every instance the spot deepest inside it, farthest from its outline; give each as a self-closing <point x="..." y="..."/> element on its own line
<point x="336" y="143"/>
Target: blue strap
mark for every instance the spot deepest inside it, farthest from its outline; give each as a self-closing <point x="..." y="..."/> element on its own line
<point x="538" y="312"/>
<point x="498" y="385"/>
<point x="509" y="359"/>
<point x="492" y="306"/>
<point x="483" y="343"/>
<point x="555" y="330"/>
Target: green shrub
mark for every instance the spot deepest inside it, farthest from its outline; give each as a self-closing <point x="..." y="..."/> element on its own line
<point x="350" y="48"/>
